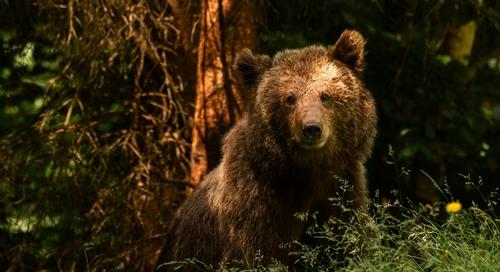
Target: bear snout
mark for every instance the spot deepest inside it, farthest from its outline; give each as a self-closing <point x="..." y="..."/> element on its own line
<point x="312" y="131"/>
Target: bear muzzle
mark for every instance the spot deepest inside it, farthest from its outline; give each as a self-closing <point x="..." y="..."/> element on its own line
<point x="311" y="132"/>
<point x="313" y="135"/>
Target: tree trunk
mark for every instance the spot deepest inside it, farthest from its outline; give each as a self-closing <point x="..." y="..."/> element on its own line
<point x="459" y="42"/>
<point x="226" y="26"/>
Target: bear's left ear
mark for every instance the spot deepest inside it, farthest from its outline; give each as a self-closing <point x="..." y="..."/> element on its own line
<point x="250" y="68"/>
<point x="350" y="49"/>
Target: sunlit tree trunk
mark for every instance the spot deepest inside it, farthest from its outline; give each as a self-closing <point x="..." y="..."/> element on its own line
<point x="460" y="41"/>
<point x="226" y="26"/>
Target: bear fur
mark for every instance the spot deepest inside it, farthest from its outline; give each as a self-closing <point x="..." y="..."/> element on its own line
<point x="312" y="121"/>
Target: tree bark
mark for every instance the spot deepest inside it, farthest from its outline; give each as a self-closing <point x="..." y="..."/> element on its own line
<point x="226" y="26"/>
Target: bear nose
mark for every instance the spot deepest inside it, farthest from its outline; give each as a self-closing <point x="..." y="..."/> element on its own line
<point x="311" y="130"/>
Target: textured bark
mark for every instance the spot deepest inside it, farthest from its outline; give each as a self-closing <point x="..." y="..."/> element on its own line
<point x="226" y="26"/>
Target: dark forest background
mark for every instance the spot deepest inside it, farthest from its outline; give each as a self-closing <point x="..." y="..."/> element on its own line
<point x="112" y="111"/>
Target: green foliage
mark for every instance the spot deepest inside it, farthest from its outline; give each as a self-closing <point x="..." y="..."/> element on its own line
<point x="92" y="131"/>
<point x="24" y="79"/>
<point x="415" y="241"/>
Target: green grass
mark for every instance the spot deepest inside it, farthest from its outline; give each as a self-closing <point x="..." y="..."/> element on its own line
<point x="416" y="240"/>
<point x="392" y="238"/>
<point x="424" y="238"/>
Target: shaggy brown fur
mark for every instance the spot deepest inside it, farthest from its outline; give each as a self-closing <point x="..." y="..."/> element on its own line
<point x="312" y="120"/>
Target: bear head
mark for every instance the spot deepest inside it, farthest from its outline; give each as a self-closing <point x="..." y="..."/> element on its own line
<point x="313" y="98"/>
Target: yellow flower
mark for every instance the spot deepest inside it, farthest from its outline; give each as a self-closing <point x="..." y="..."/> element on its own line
<point x="453" y="207"/>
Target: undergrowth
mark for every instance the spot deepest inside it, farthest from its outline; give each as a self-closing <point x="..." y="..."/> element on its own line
<point x="414" y="240"/>
<point x="390" y="236"/>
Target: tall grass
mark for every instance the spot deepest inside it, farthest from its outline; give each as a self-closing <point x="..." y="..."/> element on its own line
<point x="391" y="237"/>
<point x="415" y="240"/>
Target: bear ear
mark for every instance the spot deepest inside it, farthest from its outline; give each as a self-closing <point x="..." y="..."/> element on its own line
<point x="350" y="49"/>
<point x="250" y="68"/>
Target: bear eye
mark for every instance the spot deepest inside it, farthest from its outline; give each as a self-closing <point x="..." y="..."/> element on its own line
<point x="326" y="98"/>
<point x="290" y="100"/>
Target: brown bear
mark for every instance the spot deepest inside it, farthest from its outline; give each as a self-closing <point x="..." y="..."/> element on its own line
<point x="312" y="121"/>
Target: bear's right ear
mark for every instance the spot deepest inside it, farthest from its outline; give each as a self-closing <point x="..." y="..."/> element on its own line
<point x="250" y="68"/>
